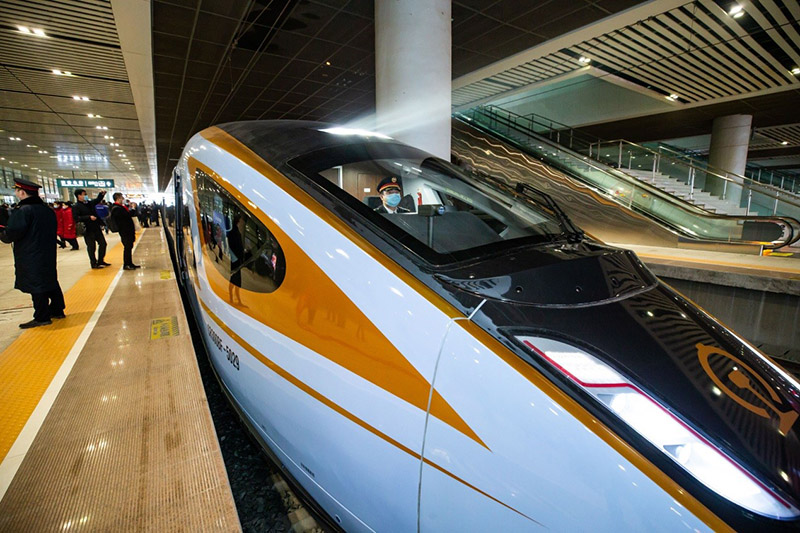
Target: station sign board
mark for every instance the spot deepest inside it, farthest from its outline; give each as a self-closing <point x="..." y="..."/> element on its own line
<point x="88" y="184"/>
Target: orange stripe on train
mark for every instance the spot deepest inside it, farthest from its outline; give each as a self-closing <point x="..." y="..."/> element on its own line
<point x="326" y="321"/>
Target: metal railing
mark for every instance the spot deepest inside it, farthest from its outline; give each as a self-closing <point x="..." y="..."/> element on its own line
<point x="567" y="149"/>
<point x="774" y="178"/>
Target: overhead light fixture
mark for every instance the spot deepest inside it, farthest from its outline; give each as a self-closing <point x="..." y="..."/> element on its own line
<point x="795" y="71"/>
<point x="23" y="29"/>
<point x="15" y="138"/>
<point x="784" y="143"/>
<point x="673" y="97"/>
<point x="39" y="32"/>
<point x="58" y="72"/>
<point x="736" y="11"/>
<point x="90" y="115"/>
<point x="585" y="60"/>
<point x="82" y="98"/>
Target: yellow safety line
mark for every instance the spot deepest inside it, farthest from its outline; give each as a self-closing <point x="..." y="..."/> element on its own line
<point x="29" y="363"/>
<point x="769" y="268"/>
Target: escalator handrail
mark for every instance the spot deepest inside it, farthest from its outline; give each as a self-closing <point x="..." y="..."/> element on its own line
<point x="718" y="173"/>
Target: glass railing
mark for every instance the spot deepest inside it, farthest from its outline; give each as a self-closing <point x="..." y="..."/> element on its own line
<point x="737" y="195"/>
<point x="773" y="178"/>
<point x="550" y="145"/>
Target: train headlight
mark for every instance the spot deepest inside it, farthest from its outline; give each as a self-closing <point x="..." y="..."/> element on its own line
<point x="662" y="428"/>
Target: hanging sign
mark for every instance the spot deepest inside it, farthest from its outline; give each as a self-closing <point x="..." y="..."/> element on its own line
<point x="92" y="184"/>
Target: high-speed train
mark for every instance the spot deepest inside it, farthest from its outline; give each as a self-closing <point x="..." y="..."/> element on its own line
<point x="473" y="362"/>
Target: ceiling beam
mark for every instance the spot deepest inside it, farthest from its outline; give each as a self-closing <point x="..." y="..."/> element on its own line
<point x="132" y="18"/>
<point x="601" y="27"/>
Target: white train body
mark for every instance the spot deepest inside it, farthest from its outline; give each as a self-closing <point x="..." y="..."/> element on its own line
<point x="390" y="406"/>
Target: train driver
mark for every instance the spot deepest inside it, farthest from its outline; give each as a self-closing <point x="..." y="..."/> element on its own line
<point x="391" y="192"/>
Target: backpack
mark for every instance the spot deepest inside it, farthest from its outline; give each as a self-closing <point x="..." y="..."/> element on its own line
<point x="112" y="222"/>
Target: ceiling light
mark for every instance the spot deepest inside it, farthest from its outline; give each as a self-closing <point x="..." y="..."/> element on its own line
<point x="795" y="71"/>
<point x="23" y="29"/>
<point x="585" y="60"/>
<point x="15" y="138"/>
<point x="61" y="72"/>
<point x="784" y="143"/>
<point x="40" y="32"/>
<point x="736" y="11"/>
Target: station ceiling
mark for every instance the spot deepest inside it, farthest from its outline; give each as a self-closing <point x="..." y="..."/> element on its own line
<point x="215" y="61"/>
<point x="66" y="105"/>
<point x="219" y="61"/>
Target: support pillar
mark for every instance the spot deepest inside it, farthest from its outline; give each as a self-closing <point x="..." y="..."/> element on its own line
<point x="413" y="72"/>
<point x="730" y="138"/>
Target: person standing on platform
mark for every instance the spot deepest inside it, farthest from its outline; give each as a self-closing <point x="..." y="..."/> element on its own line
<point x="70" y="232"/>
<point x="154" y="212"/>
<point x="84" y="211"/>
<point x="59" y="224"/>
<point x="32" y="229"/>
<point x="122" y="220"/>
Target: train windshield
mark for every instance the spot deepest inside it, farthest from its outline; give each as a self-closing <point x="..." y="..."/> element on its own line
<point x="431" y="206"/>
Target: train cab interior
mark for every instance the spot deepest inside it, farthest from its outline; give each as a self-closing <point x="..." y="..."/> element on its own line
<point x="446" y="210"/>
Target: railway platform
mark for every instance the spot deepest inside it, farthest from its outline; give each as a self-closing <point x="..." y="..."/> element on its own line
<point x="104" y="423"/>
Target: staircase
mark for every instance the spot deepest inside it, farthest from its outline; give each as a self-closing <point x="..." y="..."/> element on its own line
<point x="676" y="187"/>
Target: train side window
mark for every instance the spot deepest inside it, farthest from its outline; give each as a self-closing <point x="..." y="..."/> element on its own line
<point x="239" y="246"/>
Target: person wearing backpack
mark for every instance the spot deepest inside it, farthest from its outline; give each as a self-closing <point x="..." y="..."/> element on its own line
<point x="121" y="221"/>
<point x="84" y="211"/>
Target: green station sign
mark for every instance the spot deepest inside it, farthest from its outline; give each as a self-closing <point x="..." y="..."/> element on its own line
<point x="86" y="184"/>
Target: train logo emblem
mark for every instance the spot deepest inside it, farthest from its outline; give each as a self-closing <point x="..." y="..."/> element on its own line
<point x="743" y="378"/>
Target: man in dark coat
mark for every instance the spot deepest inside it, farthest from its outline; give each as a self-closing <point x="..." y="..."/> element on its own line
<point x="84" y="211"/>
<point x="122" y="220"/>
<point x="32" y="229"/>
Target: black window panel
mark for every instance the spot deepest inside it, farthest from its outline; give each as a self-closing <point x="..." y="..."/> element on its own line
<point x="239" y="246"/>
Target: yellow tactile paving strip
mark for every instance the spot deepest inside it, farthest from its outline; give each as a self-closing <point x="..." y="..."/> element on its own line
<point x="128" y="444"/>
<point x="28" y="365"/>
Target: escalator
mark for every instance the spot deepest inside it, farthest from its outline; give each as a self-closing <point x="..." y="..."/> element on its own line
<point x="607" y="203"/>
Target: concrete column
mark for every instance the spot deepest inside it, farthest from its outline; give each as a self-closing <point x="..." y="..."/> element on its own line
<point x="413" y="72"/>
<point x="730" y="138"/>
